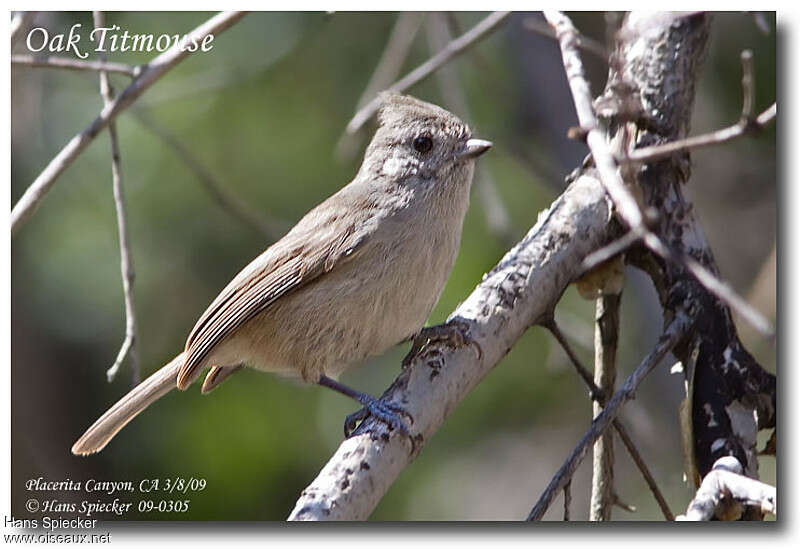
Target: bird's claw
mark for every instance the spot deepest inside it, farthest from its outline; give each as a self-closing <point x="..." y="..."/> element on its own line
<point x="386" y="412"/>
<point x="454" y="334"/>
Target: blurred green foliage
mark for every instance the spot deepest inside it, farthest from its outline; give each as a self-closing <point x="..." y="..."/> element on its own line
<point x="263" y="111"/>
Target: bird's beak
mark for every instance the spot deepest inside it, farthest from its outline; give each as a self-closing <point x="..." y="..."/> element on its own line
<point x="474" y="148"/>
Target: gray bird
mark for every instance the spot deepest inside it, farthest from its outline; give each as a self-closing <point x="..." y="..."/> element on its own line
<point x="357" y="275"/>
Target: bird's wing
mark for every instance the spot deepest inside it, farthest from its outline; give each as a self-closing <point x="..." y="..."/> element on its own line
<point x="288" y="265"/>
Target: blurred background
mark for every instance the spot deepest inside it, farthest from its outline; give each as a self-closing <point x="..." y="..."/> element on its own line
<point x="254" y="130"/>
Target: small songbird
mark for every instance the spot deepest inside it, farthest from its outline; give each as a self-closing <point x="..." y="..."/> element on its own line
<point x="357" y="275"/>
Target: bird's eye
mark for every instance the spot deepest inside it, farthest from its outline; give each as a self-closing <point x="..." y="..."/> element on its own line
<point x="423" y="144"/>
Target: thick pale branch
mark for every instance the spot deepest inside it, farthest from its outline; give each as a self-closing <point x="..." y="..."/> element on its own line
<point x="154" y="70"/>
<point x="50" y="62"/>
<point x="454" y="48"/>
<point x="521" y="290"/>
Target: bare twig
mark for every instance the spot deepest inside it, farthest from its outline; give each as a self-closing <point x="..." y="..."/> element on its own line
<point x="51" y="62"/>
<point x="725" y="491"/>
<point x="645" y="470"/>
<point x="748" y="86"/>
<point x="582" y="97"/>
<point x="740" y="129"/>
<point x="711" y="282"/>
<point x="19" y="22"/>
<point x="268" y="227"/>
<point x="676" y="329"/>
<point x="598" y="396"/>
<point x="126" y="258"/>
<point x="721" y="289"/>
<point x="610" y="250"/>
<point x="454" y="48"/>
<point x="587" y="44"/>
<point x="154" y="70"/>
<point x="606" y="335"/>
<point x="627" y="206"/>
<point x="567" y="499"/>
<point x="762" y="292"/>
<point x="761" y="22"/>
<point x="394" y="55"/>
<point x="386" y="71"/>
<point x="625" y="506"/>
<point x="497" y="217"/>
<point x="748" y="124"/>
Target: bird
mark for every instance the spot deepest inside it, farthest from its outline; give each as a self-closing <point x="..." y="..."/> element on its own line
<point x="358" y="274"/>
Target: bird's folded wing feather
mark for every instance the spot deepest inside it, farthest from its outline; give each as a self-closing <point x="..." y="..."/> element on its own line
<point x="273" y="275"/>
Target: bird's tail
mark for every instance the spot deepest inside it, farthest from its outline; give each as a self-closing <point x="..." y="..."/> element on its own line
<point x="128" y="407"/>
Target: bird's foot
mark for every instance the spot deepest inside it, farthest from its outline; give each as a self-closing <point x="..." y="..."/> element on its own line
<point x="454" y="334"/>
<point x="386" y="412"/>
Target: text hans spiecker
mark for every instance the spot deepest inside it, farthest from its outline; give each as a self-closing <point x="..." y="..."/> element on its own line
<point x="110" y="39"/>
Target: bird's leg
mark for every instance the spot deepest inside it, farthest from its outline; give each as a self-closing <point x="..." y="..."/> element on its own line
<point x="455" y="334"/>
<point x="386" y="412"/>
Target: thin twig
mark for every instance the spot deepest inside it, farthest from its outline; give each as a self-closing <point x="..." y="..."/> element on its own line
<point x="610" y="250"/>
<point x="582" y="97"/>
<point x="386" y="71"/>
<point x="748" y="86"/>
<point x="624" y="506"/>
<point x="129" y="347"/>
<point x="268" y="227"/>
<point x="606" y="336"/>
<point x="497" y="217"/>
<point x="627" y="206"/>
<point x="676" y="329"/>
<point x="740" y="129"/>
<point x="19" y="22"/>
<point x="645" y="470"/>
<point x="52" y="62"/>
<point x="747" y="124"/>
<point x="567" y="499"/>
<point x="590" y="45"/>
<point x="761" y="22"/>
<point x="394" y="55"/>
<point x="154" y="70"/>
<point x="622" y="431"/>
<point x="719" y="288"/>
<point x="457" y="46"/>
